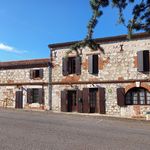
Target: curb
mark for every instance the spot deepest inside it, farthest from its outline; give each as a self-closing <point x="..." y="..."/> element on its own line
<point x="96" y="116"/>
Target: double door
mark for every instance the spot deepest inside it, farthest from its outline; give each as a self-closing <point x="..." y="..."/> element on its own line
<point x="89" y="100"/>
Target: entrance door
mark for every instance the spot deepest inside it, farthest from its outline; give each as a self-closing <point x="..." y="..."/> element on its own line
<point x="93" y="100"/>
<point x="19" y="99"/>
<point x="72" y="102"/>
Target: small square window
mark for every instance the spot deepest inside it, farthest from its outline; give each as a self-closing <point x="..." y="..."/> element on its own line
<point x="36" y="74"/>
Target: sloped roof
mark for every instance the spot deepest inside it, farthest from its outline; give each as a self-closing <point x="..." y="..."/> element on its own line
<point x="25" y="64"/>
<point x="102" y="40"/>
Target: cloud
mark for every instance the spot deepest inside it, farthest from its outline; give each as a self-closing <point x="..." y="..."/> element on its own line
<point x="8" y="48"/>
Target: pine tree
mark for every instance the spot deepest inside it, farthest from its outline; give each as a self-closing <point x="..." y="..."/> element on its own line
<point x="140" y="19"/>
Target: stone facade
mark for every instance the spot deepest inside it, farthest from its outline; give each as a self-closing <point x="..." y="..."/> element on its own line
<point x="15" y="76"/>
<point x="117" y="68"/>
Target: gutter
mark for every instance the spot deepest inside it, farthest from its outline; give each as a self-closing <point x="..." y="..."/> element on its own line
<point x="50" y="85"/>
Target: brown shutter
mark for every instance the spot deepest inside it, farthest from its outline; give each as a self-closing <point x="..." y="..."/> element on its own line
<point x="86" y="106"/>
<point x="31" y="74"/>
<point x="101" y="98"/>
<point x="41" y="73"/>
<point x="64" y="104"/>
<point x="143" y="60"/>
<point x="41" y="96"/>
<point x="78" y="65"/>
<point x="29" y="96"/>
<point x="121" y="97"/>
<point x="90" y="64"/>
<point x="146" y="60"/>
<point x="65" y="66"/>
<point x="95" y="64"/>
<point x="79" y="101"/>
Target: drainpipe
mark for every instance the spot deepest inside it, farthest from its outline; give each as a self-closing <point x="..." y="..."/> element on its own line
<point x="50" y="84"/>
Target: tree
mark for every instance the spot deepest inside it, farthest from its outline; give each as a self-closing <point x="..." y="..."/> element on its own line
<point x="140" y="19"/>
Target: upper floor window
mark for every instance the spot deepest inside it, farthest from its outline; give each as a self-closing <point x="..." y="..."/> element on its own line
<point x="36" y="74"/>
<point x="71" y="65"/>
<point x="143" y="60"/>
<point x="93" y="64"/>
<point x="137" y="96"/>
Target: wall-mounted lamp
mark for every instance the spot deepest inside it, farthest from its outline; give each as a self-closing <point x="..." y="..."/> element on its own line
<point x="137" y="84"/>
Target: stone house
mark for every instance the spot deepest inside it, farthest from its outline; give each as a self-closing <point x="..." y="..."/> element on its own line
<point x="24" y="84"/>
<point x="113" y="80"/>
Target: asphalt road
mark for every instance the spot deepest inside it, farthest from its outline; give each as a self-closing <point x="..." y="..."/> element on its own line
<point x="21" y="130"/>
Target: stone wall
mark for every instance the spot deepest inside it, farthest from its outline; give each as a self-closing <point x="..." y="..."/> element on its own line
<point x="9" y="79"/>
<point x="21" y="75"/>
<point x="114" y="64"/>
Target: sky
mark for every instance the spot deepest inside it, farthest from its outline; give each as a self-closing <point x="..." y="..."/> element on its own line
<point x="28" y="26"/>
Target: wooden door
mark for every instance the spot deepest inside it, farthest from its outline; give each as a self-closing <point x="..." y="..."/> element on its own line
<point x="79" y="101"/>
<point x="19" y="99"/>
<point x="72" y="101"/>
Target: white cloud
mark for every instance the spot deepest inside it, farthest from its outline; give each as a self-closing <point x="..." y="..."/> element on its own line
<point x="8" y="48"/>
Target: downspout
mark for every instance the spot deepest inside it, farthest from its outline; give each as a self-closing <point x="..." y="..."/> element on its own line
<point x="50" y="84"/>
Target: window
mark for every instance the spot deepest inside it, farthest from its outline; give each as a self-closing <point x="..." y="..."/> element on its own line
<point x="35" y="95"/>
<point x="93" y="64"/>
<point x="36" y="74"/>
<point x="137" y="96"/>
<point x="71" y="65"/>
<point x="143" y="60"/>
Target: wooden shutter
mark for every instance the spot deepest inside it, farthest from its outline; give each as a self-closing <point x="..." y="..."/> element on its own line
<point x="90" y="64"/>
<point x="78" y="65"/>
<point x="93" y="64"/>
<point x="41" y="96"/>
<point x="64" y="100"/>
<point x="86" y="106"/>
<point x="29" y="96"/>
<point x="79" y="101"/>
<point x="143" y="60"/>
<point x="65" y="66"/>
<point x="31" y="74"/>
<point x="41" y="73"/>
<point x="101" y="98"/>
<point x="121" y="97"/>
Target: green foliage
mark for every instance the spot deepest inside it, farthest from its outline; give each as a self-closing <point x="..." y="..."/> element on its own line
<point x="140" y="19"/>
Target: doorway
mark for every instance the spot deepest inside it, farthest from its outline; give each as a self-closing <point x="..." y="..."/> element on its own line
<point x="72" y="102"/>
<point x="19" y="99"/>
<point x="93" y="99"/>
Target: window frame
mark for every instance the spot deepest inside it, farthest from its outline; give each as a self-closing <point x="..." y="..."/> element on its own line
<point x="33" y="74"/>
<point x="39" y="98"/>
<point x="72" y="65"/>
<point x="137" y="91"/>
<point x="93" y="64"/>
